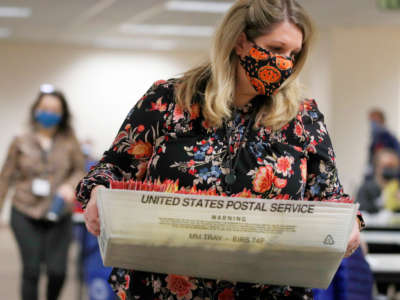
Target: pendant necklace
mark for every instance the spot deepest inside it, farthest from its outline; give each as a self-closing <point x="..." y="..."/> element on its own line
<point x="232" y="161"/>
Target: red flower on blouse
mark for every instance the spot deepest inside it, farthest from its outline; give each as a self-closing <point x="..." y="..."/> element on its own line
<point x="180" y="286"/>
<point x="244" y="194"/>
<point x="158" y="82"/>
<point x="284" y="165"/>
<point x="303" y="169"/>
<point x="158" y="105"/>
<point x="280" y="183"/>
<point x="127" y="281"/>
<point x="298" y="149"/>
<point x="285" y="127"/>
<point x="141" y="149"/>
<point x="307" y="105"/>
<point x="121" y="294"/>
<point x="192" y="171"/>
<point x="206" y="124"/>
<point x="298" y="130"/>
<point x="194" y="111"/>
<point x="263" y="180"/>
<point x="178" y="113"/>
<point x="282" y="197"/>
<point x="122" y="135"/>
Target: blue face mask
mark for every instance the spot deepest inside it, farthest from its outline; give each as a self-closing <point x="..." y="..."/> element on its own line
<point x="376" y="128"/>
<point x="47" y="119"/>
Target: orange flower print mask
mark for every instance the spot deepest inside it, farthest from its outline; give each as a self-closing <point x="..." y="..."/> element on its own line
<point x="265" y="70"/>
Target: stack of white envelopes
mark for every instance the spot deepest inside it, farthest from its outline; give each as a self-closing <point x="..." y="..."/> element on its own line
<point x="284" y="242"/>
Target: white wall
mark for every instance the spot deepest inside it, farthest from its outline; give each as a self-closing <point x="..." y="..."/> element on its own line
<point x="365" y="74"/>
<point x="101" y="85"/>
<point x="350" y="71"/>
<point x="316" y="76"/>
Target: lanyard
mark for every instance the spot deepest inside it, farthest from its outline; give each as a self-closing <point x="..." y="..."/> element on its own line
<point x="45" y="160"/>
<point x="44" y="156"/>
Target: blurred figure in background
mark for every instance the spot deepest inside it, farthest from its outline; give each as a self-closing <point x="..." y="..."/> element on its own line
<point x="382" y="190"/>
<point x="379" y="194"/>
<point x="91" y="269"/>
<point x="381" y="138"/>
<point x="44" y="165"/>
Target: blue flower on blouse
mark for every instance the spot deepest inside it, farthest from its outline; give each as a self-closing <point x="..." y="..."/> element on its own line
<point x="204" y="147"/>
<point x="257" y="148"/>
<point x="241" y="130"/>
<point x="313" y="115"/>
<point x="322" y="178"/>
<point x="315" y="189"/>
<point x="215" y="171"/>
<point x="199" y="156"/>
<point x="203" y="172"/>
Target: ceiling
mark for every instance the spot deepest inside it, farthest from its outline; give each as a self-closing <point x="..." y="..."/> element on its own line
<point x="109" y="23"/>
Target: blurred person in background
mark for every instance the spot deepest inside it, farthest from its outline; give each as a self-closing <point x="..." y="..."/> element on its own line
<point x="43" y="165"/>
<point x="382" y="190"/>
<point x="236" y="124"/>
<point x="379" y="195"/>
<point x="381" y="137"/>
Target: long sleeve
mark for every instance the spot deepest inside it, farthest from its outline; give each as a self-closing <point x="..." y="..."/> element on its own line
<point x="322" y="175"/>
<point x="77" y="170"/>
<point x="133" y="146"/>
<point x="8" y="171"/>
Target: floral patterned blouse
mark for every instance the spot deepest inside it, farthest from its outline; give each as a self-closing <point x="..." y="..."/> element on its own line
<point x="159" y="140"/>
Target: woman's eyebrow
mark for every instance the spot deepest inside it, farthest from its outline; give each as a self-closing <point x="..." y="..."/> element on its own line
<point x="280" y="43"/>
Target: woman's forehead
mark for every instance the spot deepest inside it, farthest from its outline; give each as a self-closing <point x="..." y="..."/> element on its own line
<point x="286" y="34"/>
<point x="50" y="101"/>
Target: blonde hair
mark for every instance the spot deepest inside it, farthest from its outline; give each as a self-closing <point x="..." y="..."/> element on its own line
<point x="254" y="18"/>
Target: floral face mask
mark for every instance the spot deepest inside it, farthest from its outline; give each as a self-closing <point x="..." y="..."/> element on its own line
<point x="265" y="70"/>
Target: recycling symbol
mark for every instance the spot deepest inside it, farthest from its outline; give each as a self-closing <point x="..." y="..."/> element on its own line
<point x="329" y="240"/>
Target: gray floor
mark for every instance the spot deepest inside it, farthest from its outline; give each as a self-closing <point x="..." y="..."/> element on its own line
<point x="10" y="268"/>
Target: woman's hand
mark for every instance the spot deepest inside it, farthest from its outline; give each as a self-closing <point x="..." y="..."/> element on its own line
<point x="354" y="241"/>
<point x="92" y="214"/>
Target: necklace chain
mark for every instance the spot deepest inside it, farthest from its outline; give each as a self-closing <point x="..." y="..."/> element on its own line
<point x="232" y="158"/>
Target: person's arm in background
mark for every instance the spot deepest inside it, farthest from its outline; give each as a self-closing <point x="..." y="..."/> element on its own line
<point x="76" y="172"/>
<point x="8" y="171"/>
<point x="340" y="282"/>
<point x="337" y="290"/>
<point x="130" y="152"/>
<point x="322" y="177"/>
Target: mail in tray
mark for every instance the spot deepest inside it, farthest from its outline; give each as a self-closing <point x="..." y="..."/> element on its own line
<point x="283" y="242"/>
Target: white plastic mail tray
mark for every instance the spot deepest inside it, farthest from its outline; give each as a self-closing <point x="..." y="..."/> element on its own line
<point x="297" y="243"/>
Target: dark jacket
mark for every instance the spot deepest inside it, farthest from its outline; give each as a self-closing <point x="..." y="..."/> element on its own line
<point x="368" y="196"/>
<point x="352" y="281"/>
